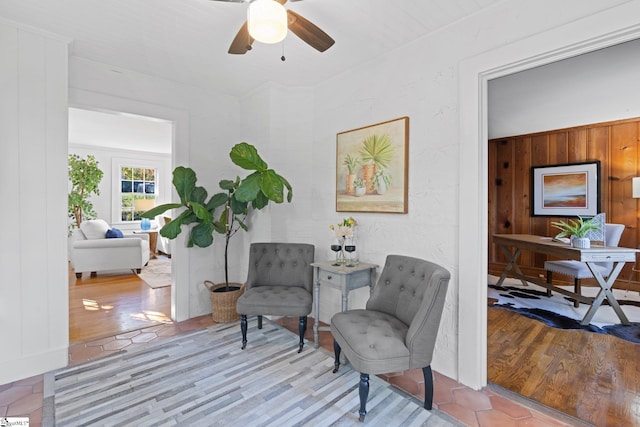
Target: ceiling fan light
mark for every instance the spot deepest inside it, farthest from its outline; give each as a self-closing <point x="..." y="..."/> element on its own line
<point x="267" y="21"/>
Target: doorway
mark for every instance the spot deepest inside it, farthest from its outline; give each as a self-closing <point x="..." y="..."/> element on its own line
<point x="123" y="144"/>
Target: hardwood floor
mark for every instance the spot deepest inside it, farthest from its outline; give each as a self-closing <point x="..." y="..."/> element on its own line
<point x="111" y="304"/>
<point x="594" y="377"/>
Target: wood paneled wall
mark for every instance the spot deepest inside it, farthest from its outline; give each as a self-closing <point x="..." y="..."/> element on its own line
<point x="614" y="144"/>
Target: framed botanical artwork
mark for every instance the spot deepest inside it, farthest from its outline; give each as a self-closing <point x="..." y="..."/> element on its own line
<point x="566" y="190"/>
<point x="371" y="168"/>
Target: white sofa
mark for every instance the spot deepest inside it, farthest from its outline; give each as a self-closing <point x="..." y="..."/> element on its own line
<point x="93" y="252"/>
<point x="163" y="244"/>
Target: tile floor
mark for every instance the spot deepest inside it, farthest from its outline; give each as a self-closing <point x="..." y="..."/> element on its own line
<point x="489" y="407"/>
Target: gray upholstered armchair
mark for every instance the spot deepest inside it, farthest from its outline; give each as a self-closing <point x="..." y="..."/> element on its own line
<point x="279" y="283"/>
<point x="397" y="330"/>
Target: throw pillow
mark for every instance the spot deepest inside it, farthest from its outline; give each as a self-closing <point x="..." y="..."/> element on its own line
<point x="94" y="228"/>
<point x="114" y="233"/>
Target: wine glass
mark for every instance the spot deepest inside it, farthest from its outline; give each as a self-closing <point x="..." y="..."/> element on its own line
<point x="336" y="246"/>
<point x="350" y="248"/>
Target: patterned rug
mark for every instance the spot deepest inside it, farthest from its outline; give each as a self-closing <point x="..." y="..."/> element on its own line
<point x="157" y="273"/>
<point x="203" y="378"/>
<point x="558" y="311"/>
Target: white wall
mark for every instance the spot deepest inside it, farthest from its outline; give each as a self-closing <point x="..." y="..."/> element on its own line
<point x="594" y="87"/>
<point x="33" y="262"/>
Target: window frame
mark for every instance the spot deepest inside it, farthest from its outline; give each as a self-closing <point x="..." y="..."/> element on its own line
<point x="116" y="195"/>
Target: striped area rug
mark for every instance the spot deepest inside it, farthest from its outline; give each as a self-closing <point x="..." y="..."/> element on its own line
<point x="203" y="378"/>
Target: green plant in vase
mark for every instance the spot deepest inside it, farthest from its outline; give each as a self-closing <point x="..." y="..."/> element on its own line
<point x="381" y="181"/>
<point x="576" y="230"/>
<point x="352" y="163"/>
<point x="359" y="187"/>
<point x="376" y="153"/>
<point x="224" y="213"/>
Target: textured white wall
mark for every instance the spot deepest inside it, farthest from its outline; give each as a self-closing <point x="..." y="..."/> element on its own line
<point x="33" y="136"/>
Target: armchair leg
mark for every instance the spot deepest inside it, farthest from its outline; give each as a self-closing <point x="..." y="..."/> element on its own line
<point x="428" y="387"/>
<point x="243" y="328"/>
<point x="302" y="328"/>
<point x="364" y="394"/>
<point x="576" y="289"/>
<point x="78" y="275"/>
<point x="336" y="352"/>
<point x="259" y="322"/>
<point x="549" y="279"/>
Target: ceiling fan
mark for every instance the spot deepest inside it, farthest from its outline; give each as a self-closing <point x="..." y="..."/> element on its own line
<point x="301" y="27"/>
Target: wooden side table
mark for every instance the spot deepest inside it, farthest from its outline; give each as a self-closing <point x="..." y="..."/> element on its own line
<point x="345" y="279"/>
<point x="153" y="240"/>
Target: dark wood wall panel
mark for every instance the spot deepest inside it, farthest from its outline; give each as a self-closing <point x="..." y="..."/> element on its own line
<point x="614" y="144"/>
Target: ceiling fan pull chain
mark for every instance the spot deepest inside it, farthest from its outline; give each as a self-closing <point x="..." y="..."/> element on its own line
<point x="282" y="58"/>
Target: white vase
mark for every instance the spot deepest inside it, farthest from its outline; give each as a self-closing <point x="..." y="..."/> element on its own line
<point x="382" y="187"/>
<point x="581" y="242"/>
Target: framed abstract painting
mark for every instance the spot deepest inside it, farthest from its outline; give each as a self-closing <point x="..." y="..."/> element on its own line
<point x="566" y="190"/>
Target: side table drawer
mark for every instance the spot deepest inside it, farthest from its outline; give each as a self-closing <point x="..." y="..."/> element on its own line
<point x="348" y="282"/>
<point x="331" y="279"/>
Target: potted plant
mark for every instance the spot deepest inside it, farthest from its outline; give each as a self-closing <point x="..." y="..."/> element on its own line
<point x="381" y="181"/>
<point x="576" y="231"/>
<point x="85" y="177"/>
<point x="224" y="213"/>
<point x="351" y="162"/>
<point x="359" y="187"/>
<point x="376" y="153"/>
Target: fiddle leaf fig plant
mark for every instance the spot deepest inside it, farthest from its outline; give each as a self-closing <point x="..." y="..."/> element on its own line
<point x="225" y="212"/>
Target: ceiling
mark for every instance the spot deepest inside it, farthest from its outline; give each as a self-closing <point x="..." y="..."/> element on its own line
<point x="187" y="40"/>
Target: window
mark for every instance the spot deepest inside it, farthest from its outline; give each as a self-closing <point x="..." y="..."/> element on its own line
<point x="137" y="185"/>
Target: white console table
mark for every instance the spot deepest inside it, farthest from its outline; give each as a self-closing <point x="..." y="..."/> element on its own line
<point x="342" y="278"/>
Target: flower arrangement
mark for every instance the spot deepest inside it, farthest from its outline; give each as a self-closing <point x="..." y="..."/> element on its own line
<point x="343" y="231"/>
<point x="344" y="228"/>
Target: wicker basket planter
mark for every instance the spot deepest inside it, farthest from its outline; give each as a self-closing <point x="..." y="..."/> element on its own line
<point x="223" y="304"/>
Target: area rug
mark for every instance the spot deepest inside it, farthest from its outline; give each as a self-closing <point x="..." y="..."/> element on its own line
<point x="157" y="273"/>
<point x="558" y="311"/>
<point x="203" y="378"/>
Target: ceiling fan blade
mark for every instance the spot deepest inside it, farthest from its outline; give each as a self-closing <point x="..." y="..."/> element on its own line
<point x="242" y="42"/>
<point x="308" y="32"/>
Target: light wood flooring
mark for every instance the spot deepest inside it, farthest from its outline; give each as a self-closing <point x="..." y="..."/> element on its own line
<point x="111" y="304"/>
<point x="594" y="377"/>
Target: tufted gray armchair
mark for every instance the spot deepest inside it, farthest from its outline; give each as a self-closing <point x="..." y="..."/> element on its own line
<point x="397" y="330"/>
<point x="279" y="283"/>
